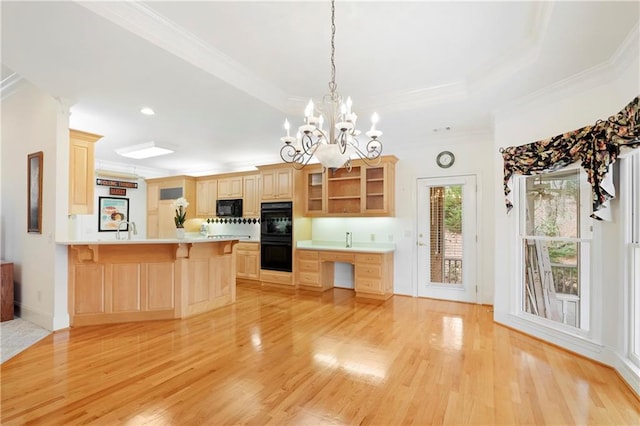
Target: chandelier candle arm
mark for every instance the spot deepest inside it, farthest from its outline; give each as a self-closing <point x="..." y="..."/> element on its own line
<point x="335" y="148"/>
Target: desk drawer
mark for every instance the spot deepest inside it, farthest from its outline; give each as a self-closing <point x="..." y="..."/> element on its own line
<point x="336" y="256"/>
<point x="368" y="271"/>
<point x="308" y="265"/>
<point x="369" y="258"/>
<point x="307" y="254"/>
<point x="369" y="285"/>
<point x="308" y="278"/>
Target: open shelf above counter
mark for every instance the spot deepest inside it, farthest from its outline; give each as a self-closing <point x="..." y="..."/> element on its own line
<point x="362" y="191"/>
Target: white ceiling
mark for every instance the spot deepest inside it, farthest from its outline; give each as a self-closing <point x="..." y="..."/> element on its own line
<point x="223" y="75"/>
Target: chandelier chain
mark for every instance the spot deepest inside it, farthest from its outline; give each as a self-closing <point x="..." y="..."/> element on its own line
<point x="332" y="84"/>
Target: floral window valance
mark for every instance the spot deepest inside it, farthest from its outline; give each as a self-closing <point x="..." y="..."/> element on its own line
<point x="596" y="147"/>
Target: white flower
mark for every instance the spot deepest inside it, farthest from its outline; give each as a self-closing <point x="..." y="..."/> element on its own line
<point x="181" y="202"/>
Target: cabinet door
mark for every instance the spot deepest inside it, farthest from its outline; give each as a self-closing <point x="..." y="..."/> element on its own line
<point x="284" y="180"/>
<point x="314" y="192"/>
<point x="230" y="187"/>
<point x="251" y="198"/>
<point x="153" y="196"/>
<point x="166" y="224"/>
<point x="81" y="171"/>
<point x="378" y="187"/>
<point x="206" y="195"/>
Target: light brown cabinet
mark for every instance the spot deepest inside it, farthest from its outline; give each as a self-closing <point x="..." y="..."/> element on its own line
<point x="248" y="261"/>
<point x="206" y="196"/>
<point x="161" y="193"/>
<point x="315" y="191"/>
<point x="230" y="187"/>
<point x="373" y="275"/>
<point x="251" y="196"/>
<point x="373" y="272"/>
<point x="81" y="171"/>
<point x="277" y="184"/>
<point x="361" y="191"/>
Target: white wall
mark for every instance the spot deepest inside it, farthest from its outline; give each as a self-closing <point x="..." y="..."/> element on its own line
<point x="473" y="157"/>
<point x="85" y="227"/>
<point x="33" y="121"/>
<point x="560" y="109"/>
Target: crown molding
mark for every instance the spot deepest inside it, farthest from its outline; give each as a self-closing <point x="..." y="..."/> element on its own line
<point x="624" y="56"/>
<point x="10" y="85"/>
<point x="144" y="22"/>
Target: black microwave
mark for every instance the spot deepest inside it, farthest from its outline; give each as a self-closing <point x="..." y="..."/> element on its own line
<point x="229" y="208"/>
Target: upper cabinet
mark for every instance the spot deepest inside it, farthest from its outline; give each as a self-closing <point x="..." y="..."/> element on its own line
<point x="277" y="183"/>
<point x="362" y="191"/>
<point x="206" y="196"/>
<point x="230" y="187"/>
<point x="81" y="171"/>
<point x="161" y="193"/>
<point x="251" y="195"/>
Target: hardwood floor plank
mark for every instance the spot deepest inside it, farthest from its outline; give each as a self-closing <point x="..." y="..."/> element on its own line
<point x="285" y="358"/>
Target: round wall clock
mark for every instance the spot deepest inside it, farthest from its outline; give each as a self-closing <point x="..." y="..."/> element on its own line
<point x="445" y="159"/>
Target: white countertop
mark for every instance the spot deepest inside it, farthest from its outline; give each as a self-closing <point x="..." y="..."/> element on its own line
<point x="188" y="239"/>
<point x="340" y="246"/>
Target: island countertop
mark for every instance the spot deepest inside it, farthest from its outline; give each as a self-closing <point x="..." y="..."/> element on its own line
<point x="188" y="239"/>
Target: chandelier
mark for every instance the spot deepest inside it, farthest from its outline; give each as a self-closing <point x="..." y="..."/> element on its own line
<point x="335" y="146"/>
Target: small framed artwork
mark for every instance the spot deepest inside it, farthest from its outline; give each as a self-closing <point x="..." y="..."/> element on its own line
<point x="34" y="192"/>
<point x="112" y="212"/>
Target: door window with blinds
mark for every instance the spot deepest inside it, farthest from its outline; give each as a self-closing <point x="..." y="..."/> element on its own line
<point x="446" y="234"/>
<point x="556" y="244"/>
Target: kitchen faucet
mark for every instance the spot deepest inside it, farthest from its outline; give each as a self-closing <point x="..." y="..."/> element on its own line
<point x="132" y="227"/>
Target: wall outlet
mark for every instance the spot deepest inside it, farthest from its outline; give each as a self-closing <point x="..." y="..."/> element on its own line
<point x="39" y="295"/>
<point x="373" y="237"/>
<point x="390" y="236"/>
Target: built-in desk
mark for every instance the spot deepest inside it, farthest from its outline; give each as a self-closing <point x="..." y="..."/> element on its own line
<point x="373" y="267"/>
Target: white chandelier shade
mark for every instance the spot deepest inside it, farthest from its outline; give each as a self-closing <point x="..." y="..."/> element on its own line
<point x="335" y="146"/>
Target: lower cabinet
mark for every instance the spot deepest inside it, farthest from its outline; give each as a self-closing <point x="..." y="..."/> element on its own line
<point x="374" y="275"/>
<point x="248" y="261"/>
<point x="373" y="272"/>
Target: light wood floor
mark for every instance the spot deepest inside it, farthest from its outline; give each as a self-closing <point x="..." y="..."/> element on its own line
<point x="276" y="358"/>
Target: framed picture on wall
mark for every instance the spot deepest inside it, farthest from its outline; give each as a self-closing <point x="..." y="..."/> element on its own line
<point x="34" y="192"/>
<point x="111" y="213"/>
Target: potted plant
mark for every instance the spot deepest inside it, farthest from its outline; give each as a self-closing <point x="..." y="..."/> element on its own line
<point x="180" y="205"/>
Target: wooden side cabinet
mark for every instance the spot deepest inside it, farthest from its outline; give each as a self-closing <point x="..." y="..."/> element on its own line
<point x="6" y="276"/>
<point x="248" y="261"/>
<point x="81" y="171"/>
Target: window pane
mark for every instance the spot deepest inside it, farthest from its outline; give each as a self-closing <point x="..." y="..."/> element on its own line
<point x="552" y="204"/>
<point x="446" y="234"/>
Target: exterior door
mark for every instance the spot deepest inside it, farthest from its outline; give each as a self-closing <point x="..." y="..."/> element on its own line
<point x="447" y="238"/>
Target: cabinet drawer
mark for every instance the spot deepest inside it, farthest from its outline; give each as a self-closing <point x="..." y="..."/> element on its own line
<point x="368" y="271"/>
<point x="369" y="285"/>
<point x="275" y="277"/>
<point x="308" y="265"/>
<point x="336" y="256"/>
<point x="308" y="278"/>
<point x="369" y="258"/>
<point x="307" y="254"/>
<point x="248" y="246"/>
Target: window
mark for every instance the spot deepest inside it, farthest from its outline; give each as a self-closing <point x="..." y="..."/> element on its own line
<point x="555" y="247"/>
<point x="632" y="212"/>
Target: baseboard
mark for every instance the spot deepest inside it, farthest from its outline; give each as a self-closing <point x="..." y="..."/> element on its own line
<point x="26" y="313"/>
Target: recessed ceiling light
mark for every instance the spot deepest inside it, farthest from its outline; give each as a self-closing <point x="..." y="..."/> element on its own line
<point x="147" y="111"/>
<point x="143" y="150"/>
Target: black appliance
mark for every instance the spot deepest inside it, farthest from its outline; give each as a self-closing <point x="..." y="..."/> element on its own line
<point x="276" y="225"/>
<point x="229" y="208"/>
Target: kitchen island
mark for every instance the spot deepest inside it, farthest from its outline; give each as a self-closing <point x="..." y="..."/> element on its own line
<point x="114" y="281"/>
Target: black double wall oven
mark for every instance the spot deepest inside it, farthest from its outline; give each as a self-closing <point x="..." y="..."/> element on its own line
<point x="276" y="225"/>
